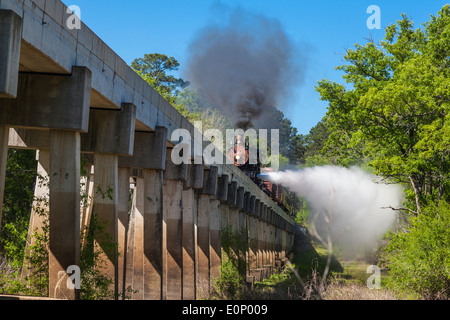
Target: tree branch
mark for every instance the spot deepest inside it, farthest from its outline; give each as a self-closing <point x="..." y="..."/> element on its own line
<point x="400" y="209"/>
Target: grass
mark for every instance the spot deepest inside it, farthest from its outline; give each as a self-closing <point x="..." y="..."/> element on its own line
<point x="347" y="280"/>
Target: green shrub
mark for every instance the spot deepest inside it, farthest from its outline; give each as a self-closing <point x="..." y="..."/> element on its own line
<point x="419" y="260"/>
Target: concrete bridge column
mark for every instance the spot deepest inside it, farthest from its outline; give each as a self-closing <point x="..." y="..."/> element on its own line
<point x="240" y="229"/>
<point x="271" y="238"/>
<point x="111" y="133"/>
<point x="203" y="231"/>
<point x="229" y="228"/>
<point x="265" y="239"/>
<point x="10" y="39"/>
<point x="61" y="104"/>
<point x="189" y="242"/>
<point x="64" y="217"/>
<point x="277" y="243"/>
<point x="259" y="236"/>
<point x="252" y="234"/>
<point x="174" y="178"/>
<point x="283" y="240"/>
<point x="144" y="267"/>
<point x="243" y="214"/>
<point x="122" y="224"/>
<point x="215" y="255"/>
<point x="4" y="134"/>
<point x="215" y="227"/>
<point x="134" y="276"/>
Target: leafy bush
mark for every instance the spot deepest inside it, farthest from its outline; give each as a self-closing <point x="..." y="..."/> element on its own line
<point x="419" y="260"/>
<point x="18" y="198"/>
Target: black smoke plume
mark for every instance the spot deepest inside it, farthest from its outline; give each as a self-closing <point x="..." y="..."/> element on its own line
<point x="245" y="67"/>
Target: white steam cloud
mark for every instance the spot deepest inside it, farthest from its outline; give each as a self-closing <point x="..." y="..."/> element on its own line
<point x="351" y="197"/>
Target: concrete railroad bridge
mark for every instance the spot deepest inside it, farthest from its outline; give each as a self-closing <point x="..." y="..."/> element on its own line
<point x="66" y="93"/>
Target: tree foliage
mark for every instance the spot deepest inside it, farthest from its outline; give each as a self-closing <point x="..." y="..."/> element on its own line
<point x="419" y="260"/>
<point x="19" y="186"/>
<point x="395" y="108"/>
<point x="156" y="66"/>
<point x="394" y="113"/>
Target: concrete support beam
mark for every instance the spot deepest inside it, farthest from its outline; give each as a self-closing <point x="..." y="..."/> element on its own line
<point x="224" y="216"/>
<point x="215" y="255"/>
<point x="233" y="220"/>
<point x="153" y="213"/>
<point x="64" y="217"/>
<point x="240" y="198"/>
<point x="195" y="176"/>
<point x="246" y="207"/>
<point x="174" y="178"/>
<point x="10" y="40"/>
<point x="222" y="188"/>
<point x="243" y="239"/>
<point x="202" y="276"/>
<point x="50" y="101"/>
<point x="210" y="181"/>
<point x="232" y="194"/>
<point x="135" y="251"/>
<point x="4" y="134"/>
<point x="189" y="242"/>
<point x="252" y="242"/>
<point x="257" y="204"/>
<point x="145" y="234"/>
<point x="122" y="225"/>
<point x="251" y="207"/>
<point x="106" y="179"/>
<point x="110" y="131"/>
<point x="149" y="150"/>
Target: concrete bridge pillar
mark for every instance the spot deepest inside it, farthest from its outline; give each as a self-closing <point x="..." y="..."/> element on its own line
<point x="111" y="133"/>
<point x="174" y="178"/>
<point x="10" y="39"/>
<point x="144" y="267"/>
<point x="189" y="242"/>
<point x="203" y="231"/>
<point x="230" y="213"/>
<point x="215" y="227"/>
<point x="4" y="134"/>
<point x="61" y="104"/>
<point x="122" y="225"/>
<point x="240" y="229"/>
<point x="252" y="235"/>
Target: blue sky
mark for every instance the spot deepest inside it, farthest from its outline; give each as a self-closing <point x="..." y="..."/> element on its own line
<point x="321" y="30"/>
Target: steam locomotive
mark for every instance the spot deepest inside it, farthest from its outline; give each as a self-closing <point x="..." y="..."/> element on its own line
<point x="285" y="199"/>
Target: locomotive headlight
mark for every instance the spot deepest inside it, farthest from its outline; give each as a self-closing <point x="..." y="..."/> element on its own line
<point x="238" y="157"/>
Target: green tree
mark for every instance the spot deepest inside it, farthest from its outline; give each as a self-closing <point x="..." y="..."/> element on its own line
<point x="396" y="109"/>
<point x="157" y="66"/>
